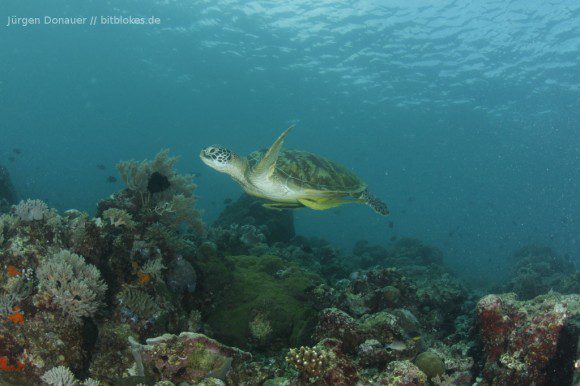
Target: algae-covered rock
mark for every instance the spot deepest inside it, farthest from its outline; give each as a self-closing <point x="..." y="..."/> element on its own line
<point x="264" y="286"/>
<point x="190" y="358"/>
<point x="430" y="364"/>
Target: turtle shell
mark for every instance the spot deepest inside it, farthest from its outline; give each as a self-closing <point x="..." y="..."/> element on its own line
<point x="311" y="171"/>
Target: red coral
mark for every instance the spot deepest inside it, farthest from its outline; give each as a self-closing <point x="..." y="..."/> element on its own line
<point x="520" y="339"/>
<point x="6" y="365"/>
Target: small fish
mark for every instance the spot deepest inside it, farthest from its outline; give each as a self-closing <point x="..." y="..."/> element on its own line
<point x="111" y="179"/>
<point x="396" y="346"/>
<point x="393" y="238"/>
<point x="16" y="151"/>
<point x="228" y="201"/>
<point x="101" y="167"/>
<point x="196" y="175"/>
<point x="411" y="199"/>
<point x="391" y="224"/>
<point x="11" y="159"/>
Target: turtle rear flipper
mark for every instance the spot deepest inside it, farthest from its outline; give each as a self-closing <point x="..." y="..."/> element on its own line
<point x="375" y="204"/>
<point x="323" y="203"/>
<point x="282" y="205"/>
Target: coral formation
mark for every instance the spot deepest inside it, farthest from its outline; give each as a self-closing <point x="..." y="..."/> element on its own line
<point x="189" y="357"/>
<point x="248" y="210"/>
<point x="32" y="210"/>
<point x="66" y="282"/>
<point x="144" y="294"/>
<point x="430" y="363"/>
<point x="526" y="342"/>
<point x="310" y="362"/>
<point x="59" y="376"/>
<point x="537" y="270"/>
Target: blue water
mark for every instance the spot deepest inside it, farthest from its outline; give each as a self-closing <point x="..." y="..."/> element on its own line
<point x="463" y="116"/>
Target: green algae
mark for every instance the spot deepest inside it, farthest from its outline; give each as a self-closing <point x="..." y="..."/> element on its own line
<point x="265" y="285"/>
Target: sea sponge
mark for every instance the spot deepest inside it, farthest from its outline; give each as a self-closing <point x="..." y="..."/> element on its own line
<point x="70" y="284"/>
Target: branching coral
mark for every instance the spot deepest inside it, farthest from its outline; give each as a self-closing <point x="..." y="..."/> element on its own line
<point x="70" y="284"/>
<point x="154" y="268"/>
<point x="118" y="217"/>
<point x="181" y="209"/>
<point x="162" y="192"/>
<point x="311" y="362"/>
<point x="139" y="302"/>
<point x="138" y="176"/>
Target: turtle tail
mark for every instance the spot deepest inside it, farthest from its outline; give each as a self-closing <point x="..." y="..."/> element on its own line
<point x="376" y="204"/>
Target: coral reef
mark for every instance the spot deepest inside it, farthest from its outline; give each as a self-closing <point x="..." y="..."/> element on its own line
<point x="144" y="294"/>
<point x="277" y="226"/>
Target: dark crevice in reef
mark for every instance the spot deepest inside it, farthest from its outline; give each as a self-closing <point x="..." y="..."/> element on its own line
<point x="8" y="195"/>
<point x="561" y="366"/>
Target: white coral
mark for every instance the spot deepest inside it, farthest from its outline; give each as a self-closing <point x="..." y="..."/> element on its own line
<point x="73" y="285"/>
<point x="59" y="376"/>
<point x="31" y="210"/>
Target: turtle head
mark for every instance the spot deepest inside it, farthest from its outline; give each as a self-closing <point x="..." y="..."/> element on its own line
<point x="223" y="160"/>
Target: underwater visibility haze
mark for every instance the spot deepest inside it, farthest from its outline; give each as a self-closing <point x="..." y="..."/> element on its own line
<point x="418" y="224"/>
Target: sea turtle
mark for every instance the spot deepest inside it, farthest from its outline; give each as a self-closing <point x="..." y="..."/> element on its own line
<point x="292" y="178"/>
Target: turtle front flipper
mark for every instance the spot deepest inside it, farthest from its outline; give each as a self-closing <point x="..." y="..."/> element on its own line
<point x="323" y="203"/>
<point x="375" y="204"/>
<point x="268" y="163"/>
